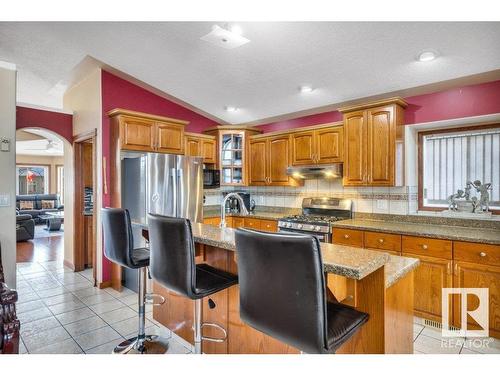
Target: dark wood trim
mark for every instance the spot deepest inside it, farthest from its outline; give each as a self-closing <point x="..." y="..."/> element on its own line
<point x="79" y="191"/>
<point x="420" y="157"/>
<point x="114" y="189"/>
<point x="85" y="136"/>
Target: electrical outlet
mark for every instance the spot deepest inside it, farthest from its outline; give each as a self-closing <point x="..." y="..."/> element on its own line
<point x="382" y="204"/>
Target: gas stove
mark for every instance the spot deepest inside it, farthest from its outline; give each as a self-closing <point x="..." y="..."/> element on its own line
<point x="317" y="216"/>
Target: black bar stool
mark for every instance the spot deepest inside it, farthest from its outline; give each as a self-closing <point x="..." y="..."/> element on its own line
<point x="173" y="266"/>
<point x="118" y="247"/>
<point x="282" y="292"/>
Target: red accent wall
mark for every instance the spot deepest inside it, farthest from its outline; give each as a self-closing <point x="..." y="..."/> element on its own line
<point x="60" y="123"/>
<point x="467" y="101"/>
<point x="120" y="93"/>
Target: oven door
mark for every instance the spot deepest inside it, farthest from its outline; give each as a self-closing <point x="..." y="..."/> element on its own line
<point x="322" y="237"/>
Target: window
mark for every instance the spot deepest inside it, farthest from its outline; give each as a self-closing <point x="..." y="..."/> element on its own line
<point x="60" y="182"/>
<point x="32" y="179"/>
<point x="452" y="157"/>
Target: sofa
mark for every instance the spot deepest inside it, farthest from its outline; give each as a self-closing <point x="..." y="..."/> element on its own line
<point x="37" y="202"/>
<point x="9" y="323"/>
<point x="25" y="227"/>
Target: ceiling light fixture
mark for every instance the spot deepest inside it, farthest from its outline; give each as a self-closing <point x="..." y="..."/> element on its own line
<point x="426" y="56"/>
<point x="229" y="108"/>
<point x="306" y="89"/>
<point x="225" y="38"/>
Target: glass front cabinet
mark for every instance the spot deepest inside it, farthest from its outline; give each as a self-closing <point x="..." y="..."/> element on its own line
<point x="232" y="153"/>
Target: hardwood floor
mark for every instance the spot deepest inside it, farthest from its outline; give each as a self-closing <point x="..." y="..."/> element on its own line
<point x="41" y="249"/>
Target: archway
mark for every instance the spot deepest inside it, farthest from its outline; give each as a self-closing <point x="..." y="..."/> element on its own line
<point x="44" y="177"/>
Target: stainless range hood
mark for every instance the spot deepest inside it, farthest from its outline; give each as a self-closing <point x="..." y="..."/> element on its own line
<point x="315" y="171"/>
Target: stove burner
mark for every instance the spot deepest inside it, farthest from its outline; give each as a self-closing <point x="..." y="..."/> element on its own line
<point x="312" y="219"/>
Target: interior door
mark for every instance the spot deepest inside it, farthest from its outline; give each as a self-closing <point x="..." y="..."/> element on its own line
<point x="381" y="141"/>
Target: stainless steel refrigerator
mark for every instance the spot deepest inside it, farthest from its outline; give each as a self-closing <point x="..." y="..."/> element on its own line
<point x="164" y="184"/>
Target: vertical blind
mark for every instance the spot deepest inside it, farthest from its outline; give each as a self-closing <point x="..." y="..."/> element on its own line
<point x="450" y="160"/>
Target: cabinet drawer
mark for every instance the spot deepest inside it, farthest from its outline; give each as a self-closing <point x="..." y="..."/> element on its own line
<point x="269" y="225"/>
<point x="238" y="222"/>
<point x="476" y="253"/>
<point x="348" y="237"/>
<point x="212" y="220"/>
<point x="427" y="247"/>
<point x="252" y="223"/>
<point x="382" y="241"/>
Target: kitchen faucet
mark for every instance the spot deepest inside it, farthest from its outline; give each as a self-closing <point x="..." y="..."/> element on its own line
<point x="243" y="208"/>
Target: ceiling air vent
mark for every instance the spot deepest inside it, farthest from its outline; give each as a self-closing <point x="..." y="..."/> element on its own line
<point x="224" y="38"/>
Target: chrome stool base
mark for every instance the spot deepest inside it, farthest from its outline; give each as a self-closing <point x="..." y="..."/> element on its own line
<point x="150" y="345"/>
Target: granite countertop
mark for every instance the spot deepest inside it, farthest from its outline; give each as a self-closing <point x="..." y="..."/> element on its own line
<point x="351" y="262"/>
<point x="480" y="235"/>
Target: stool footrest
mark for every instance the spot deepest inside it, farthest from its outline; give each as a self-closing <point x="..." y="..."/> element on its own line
<point x="214" y="339"/>
<point x="149" y="299"/>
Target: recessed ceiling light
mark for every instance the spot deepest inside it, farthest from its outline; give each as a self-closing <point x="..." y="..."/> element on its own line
<point x="236" y="29"/>
<point x="427" y="56"/>
<point x="306" y="89"/>
<point x="229" y="108"/>
<point x="225" y="38"/>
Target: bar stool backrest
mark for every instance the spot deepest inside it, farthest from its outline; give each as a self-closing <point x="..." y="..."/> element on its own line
<point x="282" y="287"/>
<point x="118" y="238"/>
<point x="172" y="249"/>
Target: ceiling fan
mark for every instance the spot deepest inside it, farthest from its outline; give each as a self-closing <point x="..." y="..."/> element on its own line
<point x="50" y="147"/>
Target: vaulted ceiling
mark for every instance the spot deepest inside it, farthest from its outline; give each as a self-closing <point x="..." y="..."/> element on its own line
<point x="341" y="61"/>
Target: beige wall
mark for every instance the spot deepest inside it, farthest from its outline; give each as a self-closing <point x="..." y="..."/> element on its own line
<point x="51" y="161"/>
<point x="84" y="100"/>
<point x="8" y="171"/>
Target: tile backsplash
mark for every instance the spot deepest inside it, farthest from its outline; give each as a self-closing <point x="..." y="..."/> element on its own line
<point x="383" y="200"/>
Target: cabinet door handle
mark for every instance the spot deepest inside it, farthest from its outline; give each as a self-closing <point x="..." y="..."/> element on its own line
<point x="425" y="247"/>
<point x="381" y="240"/>
<point x="346" y="236"/>
<point x="482" y="254"/>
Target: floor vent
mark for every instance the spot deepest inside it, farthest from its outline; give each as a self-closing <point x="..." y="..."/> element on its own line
<point x="438" y="325"/>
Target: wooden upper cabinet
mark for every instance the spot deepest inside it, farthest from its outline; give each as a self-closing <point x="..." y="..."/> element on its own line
<point x="321" y="146"/>
<point x="257" y="152"/>
<point x="137" y="134"/>
<point x="370" y="138"/>
<point x="145" y="132"/>
<point x="381" y="145"/>
<point x="202" y="146"/>
<point x="355" y="148"/>
<point x="303" y="148"/>
<point x="278" y="156"/>
<point x="169" y="138"/>
<point x="269" y="158"/>
<point x="329" y="145"/>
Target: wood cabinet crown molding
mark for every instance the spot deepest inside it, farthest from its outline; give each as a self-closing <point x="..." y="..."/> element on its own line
<point x="379" y="103"/>
<point x="200" y="135"/>
<point x="142" y="115"/>
<point x="300" y="129"/>
<point x="232" y="128"/>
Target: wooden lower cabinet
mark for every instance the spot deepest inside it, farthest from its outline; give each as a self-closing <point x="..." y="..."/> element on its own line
<point x="472" y="275"/>
<point x="349" y="237"/>
<point x="431" y="276"/>
<point x="213" y="220"/>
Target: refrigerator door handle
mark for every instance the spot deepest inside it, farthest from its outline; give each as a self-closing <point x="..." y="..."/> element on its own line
<point x="175" y="179"/>
<point x="180" y="193"/>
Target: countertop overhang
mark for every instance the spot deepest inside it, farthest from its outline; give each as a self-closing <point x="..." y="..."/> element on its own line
<point x="351" y="262"/>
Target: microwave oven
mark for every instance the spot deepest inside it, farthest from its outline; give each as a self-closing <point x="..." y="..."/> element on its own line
<point x="211" y="178"/>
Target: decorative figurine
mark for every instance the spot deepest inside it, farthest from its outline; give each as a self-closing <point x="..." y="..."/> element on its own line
<point x="452" y="200"/>
<point x="484" y="195"/>
<point x="475" y="203"/>
<point x="468" y="188"/>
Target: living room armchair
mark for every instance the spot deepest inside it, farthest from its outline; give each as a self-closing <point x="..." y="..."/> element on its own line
<point x="25" y="227"/>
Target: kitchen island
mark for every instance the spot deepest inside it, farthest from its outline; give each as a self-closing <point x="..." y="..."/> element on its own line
<point x="379" y="284"/>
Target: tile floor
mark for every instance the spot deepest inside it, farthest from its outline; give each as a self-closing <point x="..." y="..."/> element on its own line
<point x="61" y="312"/>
